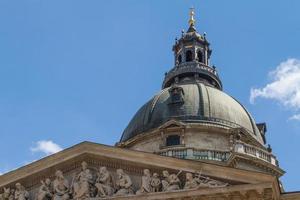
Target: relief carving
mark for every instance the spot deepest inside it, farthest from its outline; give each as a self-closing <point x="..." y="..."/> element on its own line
<point x="155" y="182"/>
<point x="61" y="187"/>
<point x="100" y="184"/>
<point x="170" y="182"/>
<point x="45" y="191"/>
<point x="190" y="182"/>
<point x="20" y="192"/>
<point x="146" y="186"/>
<point x="8" y="194"/>
<point x="123" y="184"/>
<point x="104" y="183"/>
<point x="81" y="183"/>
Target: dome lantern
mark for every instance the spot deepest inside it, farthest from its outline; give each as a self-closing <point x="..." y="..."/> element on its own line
<point x="191" y="56"/>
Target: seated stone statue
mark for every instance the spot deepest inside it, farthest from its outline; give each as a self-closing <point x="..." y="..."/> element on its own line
<point x="104" y="183"/>
<point x="123" y="183"/>
<point x="190" y="182"/>
<point x="170" y="182"/>
<point x="20" y="192"/>
<point x="146" y="186"/>
<point x="82" y="182"/>
<point x="45" y="191"/>
<point x="60" y="187"/>
<point x="155" y="182"/>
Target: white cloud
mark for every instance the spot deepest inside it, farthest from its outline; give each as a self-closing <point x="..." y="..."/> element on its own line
<point x="284" y="86"/>
<point x="295" y="117"/>
<point x="46" y="146"/>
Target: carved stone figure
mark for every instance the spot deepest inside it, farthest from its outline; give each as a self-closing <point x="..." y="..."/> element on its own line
<point x="45" y="191"/>
<point x="20" y="192"/>
<point x="81" y="183"/>
<point x="104" y="183"/>
<point x="12" y="194"/>
<point x="123" y="183"/>
<point x="60" y="187"/>
<point x="8" y="194"/>
<point x="170" y="182"/>
<point x="190" y="182"/>
<point x="146" y="186"/>
<point x="155" y="182"/>
<point x="205" y="182"/>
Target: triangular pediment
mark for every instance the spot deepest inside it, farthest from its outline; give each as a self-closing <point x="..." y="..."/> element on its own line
<point x="132" y="162"/>
<point x="172" y="124"/>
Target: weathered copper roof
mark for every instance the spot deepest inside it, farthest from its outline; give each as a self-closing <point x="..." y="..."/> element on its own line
<point x="201" y="103"/>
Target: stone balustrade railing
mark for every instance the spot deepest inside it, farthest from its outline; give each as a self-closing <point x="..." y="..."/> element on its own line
<point x="255" y="152"/>
<point x="195" y="154"/>
<point x="215" y="155"/>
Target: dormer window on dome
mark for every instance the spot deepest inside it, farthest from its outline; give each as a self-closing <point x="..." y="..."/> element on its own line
<point x="176" y="95"/>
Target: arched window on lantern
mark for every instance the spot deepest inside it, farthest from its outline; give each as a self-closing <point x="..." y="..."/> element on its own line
<point x="200" y="56"/>
<point x="179" y="59"/>
<point x="188" y="56"/>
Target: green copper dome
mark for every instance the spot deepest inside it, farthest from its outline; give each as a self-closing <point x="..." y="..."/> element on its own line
<point x="191" y="92"/>
<point x="200" y="103"/>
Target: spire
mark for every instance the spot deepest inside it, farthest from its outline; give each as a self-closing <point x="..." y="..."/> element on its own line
<point x="192" y="21"/>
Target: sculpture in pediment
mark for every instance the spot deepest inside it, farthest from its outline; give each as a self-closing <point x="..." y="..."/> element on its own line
<point x="8" y="194"/>
<point x="45" y="191"/>
<point x="81" y="183"/>
<point x="20" y="192"/>
<point x="146" y="186"/>
<point x="61" y="187"/>
<point x="155" y="182"/>
<point x="104" y="183"/>
<point x="170" y="182"/>
<point x="123" y="183"/>
<point x="190" y="181"/>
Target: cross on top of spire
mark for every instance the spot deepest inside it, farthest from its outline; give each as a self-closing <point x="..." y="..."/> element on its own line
<point x="192" y="20"/>
<point x="192" y="14"/>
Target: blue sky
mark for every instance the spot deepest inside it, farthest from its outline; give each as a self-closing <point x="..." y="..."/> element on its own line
<point x="78" y="70"/>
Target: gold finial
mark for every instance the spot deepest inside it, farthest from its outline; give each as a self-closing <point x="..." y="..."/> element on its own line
<point x="192" y="14"/>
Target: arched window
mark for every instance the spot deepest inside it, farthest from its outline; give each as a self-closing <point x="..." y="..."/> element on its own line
<point x="173" y="140"/>
<point x="188" y="56"/>
<point x="179" y="59"/>
<point x="200" y="56"/>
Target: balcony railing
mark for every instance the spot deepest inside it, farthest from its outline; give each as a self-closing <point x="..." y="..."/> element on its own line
<point x="191" y="67"/>
<point x="215" y="155"/>
<point x="196" y="154"/>
<point x="255" y="152"/>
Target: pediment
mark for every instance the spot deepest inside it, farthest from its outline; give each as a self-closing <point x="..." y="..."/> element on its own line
<point x="132" y="162"/>
<point x="172" y="124"/>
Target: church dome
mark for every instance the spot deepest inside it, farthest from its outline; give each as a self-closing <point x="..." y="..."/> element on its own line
<point x="199" y="103"/>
